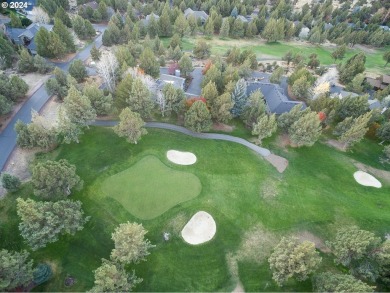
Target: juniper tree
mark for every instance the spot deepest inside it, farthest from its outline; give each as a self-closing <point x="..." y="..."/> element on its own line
<point x="254" y="108"/>
<point x="383" y="132"/>
<point x="276" y="75"/>
<point x="52" y="179"/>
<point x="225" y="29"/>
<point x="78" y="108"/>
<point x="149" y="63"/>
<point x="292" y="259"/>
<point x="198" y="117"/>
<point x="210" y="92"/>
<point x="333" y="282"/>
<point x="185" y="65"/>
<point x="306" y="130"/>
<point x="100" y="102"/>
<point x="140" y="100"/>
<point x="77" y="70"/>
<point x="266" y="125"/>
<point x="353" y="106"/>
<point x="353" y="66"/>
<point x="130" y="126"/>
<point x="221" y="108"/>
<point x="44" y="222"/>
<point x="9" y="182"/>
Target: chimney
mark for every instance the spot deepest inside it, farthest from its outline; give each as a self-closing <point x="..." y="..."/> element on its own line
<point x="177" y="72"/>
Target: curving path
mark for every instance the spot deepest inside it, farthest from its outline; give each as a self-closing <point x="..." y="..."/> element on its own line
<point x="261" y="151"/>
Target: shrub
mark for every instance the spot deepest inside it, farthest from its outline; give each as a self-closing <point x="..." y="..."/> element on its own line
<point x="9" y="182"/>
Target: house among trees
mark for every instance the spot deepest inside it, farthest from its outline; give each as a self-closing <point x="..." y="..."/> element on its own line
<point x="93" y="4"/>
<point x="242" y="18"/>
<point x="147" y="18"/>
<point x="3" y="21"/>
<point x="379" y="83"/>
<point x="25" y="36"/>
<point x="199" y="15"/>
<point x="176" y="81"/>
<point x="276" y="101"/>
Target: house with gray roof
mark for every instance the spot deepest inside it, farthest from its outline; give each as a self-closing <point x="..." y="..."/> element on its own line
<point x="242" y="18"/>
<point x="275" y="100"/>
<point x="25" y="37"/>
<point x="3" y="21"/>
<point x="176" y="81"/>
<point x="199" y="15"/>
<point x="147" y="18"/>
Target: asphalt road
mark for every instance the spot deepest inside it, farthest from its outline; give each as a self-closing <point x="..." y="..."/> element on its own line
<point x="36" y="102"/>
<point x="261" y="151"/>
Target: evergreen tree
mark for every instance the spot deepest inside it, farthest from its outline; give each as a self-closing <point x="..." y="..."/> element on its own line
<point x="77" y="70"/>
<point x="386" y="57"/>
<point x="210" y="93"/>
<point x="42" y="41"/>
<point x="63" y="16"/>
<point x="238" y="29"/>
<point x="353" y="66"/>
<point x="300" y="87"/>
<point x="202" y="50"/>
<point x="352" y="130"/>
<point x="293" y="259"/>
<point x="198" y="117"/>
<point x="113" y="277"/>
<point x="43" y="222"/>
<point x="78" y="108"/>
<point x="56" y="47"/>
<point x="100" y="102"/>
<point x="254" y="109"/>
<point x="274" y="30"/>
<point x="383" y="132"/>
<point x="185" y="65"/>
<point x="306" y="130"/>
<point x="239" y="98"/>
<point x="181" y="26"/>
<point x="130" y="243"/>
<point x="66" y="37"/>
<point x="130" y="126"/>
<point x="221" y="108"/>
<point x="149" y="63"/>
<point x="209" y="27"/>
<point x="95" y="53"/>
<point x="5" y="105"/>
<point x="139" y="99"/>
<point x="165" y="23"/>
<point x="15" y="21"/>
<point x="276" y="75"/>
<point x="67" y="130"/>
<point x="26" y="62"/>
<point x="9" y="182"/>
<point x="332" y="282"/>
<point x="225" y="29"/>
<point x="153" y="27"/>
<point x="352" y="106"/>
<point x="15" y="270"/>
<point x="339" y="52"/>
<point x="266" y="125"/>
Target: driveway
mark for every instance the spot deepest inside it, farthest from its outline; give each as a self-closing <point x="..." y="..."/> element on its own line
<point x="36" y="102"/>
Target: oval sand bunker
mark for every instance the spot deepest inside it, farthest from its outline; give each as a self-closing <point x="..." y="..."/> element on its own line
<point x="366" y="179"/>
<point x="181" y="158"/>
<point x="199" y="229"/>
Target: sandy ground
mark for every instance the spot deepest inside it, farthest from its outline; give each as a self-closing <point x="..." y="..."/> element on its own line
<point x="278" y="162"/>
<point x="20" y="158"/>
<point x="331" y="76"/>
<point x="239" y="288"/>
<point x="222" y="127"/>
<point x="366" y="179"/>
<point x="199" y="229"/>
<point x="319" y="243"/>
<point x="336" y="144"/>
<point x="181" y="158"/>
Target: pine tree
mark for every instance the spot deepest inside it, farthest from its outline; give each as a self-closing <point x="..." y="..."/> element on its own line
<point x="78" y="108"/>
<point x="56" y="47"/>
<point x="63" y="16"/>
<point x="130" y="126"/>
<point x="353" y="66"/>
<point x="210" y="93"/>
<point x="16" y="270"/>
<point x="276" y="75"/>
<point x="352" y="130"/>
<point x="152" y="27"/>
<point x="386" y="57"/>
<point x="26" y="62"/>
<point x="225" y="29"/>
<point x="198" y="117"/>
<point x="254" y="108"/>
<point x="15" y="21"/>
<point x="95" y="53"/>
<point x="239" y="98"/>
<point x="100" y="102"/>
<point x="66" y="37"/>
<point x="165" y="23"/>
<point x="77" y="70"/>
<point x="44" y="222"/>
<point x="238" y="29"/>
<point x="209" y="28"/>
<point x="221" y="108"/>
<point x="339" y="52"/>
<point x="306" y="130"/>
<point x="42" y="41"/>
<point x="266" y="125"/>
<point x="149" y="63"/>
<point x="274" y="30"/>
<point x="139" y="99"/>
<point x="181" y="26"/>
<point x="185" y="65"/>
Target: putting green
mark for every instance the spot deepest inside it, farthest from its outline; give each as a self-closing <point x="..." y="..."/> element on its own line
<point x="150" y="188"/>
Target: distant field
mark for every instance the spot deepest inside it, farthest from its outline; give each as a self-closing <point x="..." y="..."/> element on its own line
<point x="267" y="51"/>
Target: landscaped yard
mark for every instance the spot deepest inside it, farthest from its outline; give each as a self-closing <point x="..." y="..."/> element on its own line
<point x="374" y="62"/>
<point x="241" y="191"/>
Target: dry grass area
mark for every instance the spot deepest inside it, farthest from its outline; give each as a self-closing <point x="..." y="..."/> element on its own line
<point x="222" y="127"/>
<point x="269" y="188"/>
<point x="34" y="81"/>
<point x="257" y="244"/>
<point x="308" y="236"/>
<point x="176" y="224"/>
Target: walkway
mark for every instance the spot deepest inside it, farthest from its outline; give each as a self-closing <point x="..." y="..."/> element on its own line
<point x="36" y="102"/>
<point x="261" y="151"/>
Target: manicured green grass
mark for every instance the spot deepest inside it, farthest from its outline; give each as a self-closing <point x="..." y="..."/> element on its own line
<point x="150" y="188"/>
<point x="374" y="62"/>
<point x="317" y="193"/>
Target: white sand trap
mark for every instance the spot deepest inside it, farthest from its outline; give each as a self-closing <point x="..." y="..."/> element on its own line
<point x="366" y="179"/>
<point x="181" y="158"/>
<point x="199" y="229"/>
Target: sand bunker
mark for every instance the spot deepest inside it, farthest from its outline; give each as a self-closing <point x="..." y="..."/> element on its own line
<point x="181" y="158"/>
<point x="199" y="229"/>
<point x="366" y="179"/>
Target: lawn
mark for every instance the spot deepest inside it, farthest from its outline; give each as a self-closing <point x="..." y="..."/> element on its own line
<point x="316" y="193"/>
<point x="150" y="188"/>
<point x="264" y="51"/>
